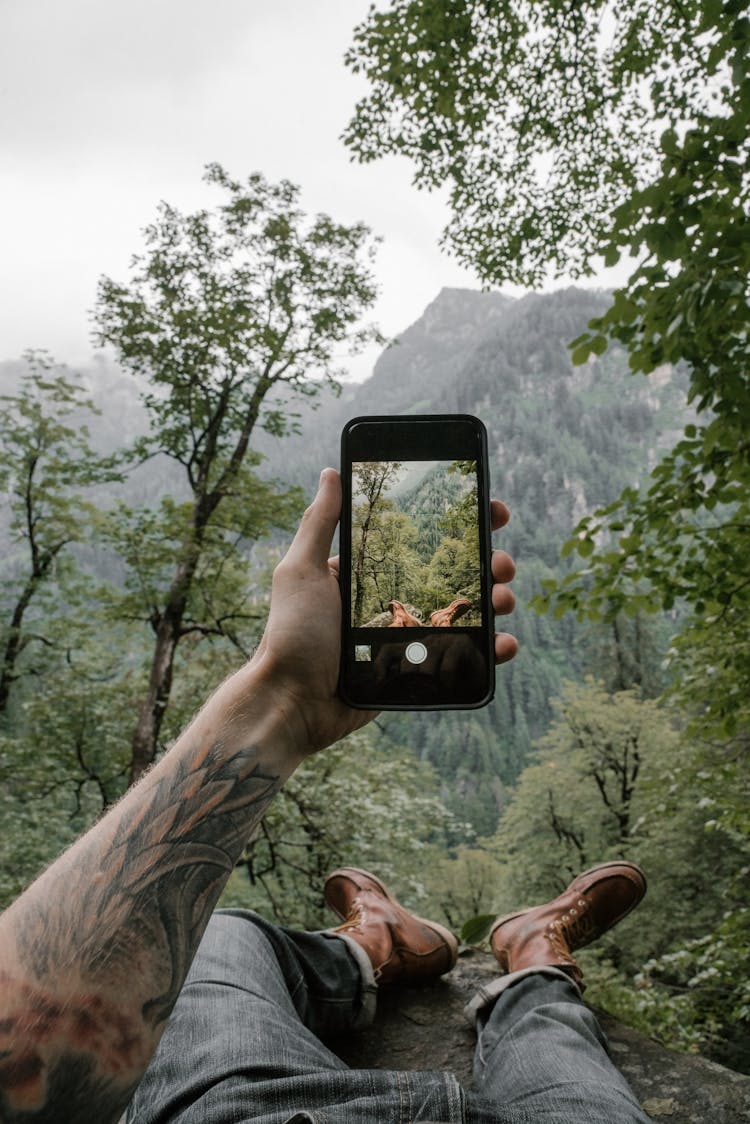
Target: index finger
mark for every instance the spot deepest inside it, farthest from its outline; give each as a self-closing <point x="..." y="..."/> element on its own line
<point x="312" y="543"/>
<point x="499" y="514"/>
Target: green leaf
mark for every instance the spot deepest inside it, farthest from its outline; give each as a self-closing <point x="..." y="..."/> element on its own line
<point x="580" y="355"/>
<point x="477" y="929"/>
<point x="568" y="547"/>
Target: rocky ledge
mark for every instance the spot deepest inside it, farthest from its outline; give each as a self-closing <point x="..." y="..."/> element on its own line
<point x="426" y="1029"/>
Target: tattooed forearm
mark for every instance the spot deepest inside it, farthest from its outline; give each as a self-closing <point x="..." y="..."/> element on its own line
<point x="77" y="1054"/>
<point x="95" y="952"/>
<point x="159" y="879"/>
<point x="107" y="961"/>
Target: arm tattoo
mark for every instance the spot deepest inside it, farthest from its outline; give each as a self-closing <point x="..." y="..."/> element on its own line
<point x="134" y="908"/>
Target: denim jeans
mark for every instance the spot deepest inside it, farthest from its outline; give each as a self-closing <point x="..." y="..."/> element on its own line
<point x="243" y="1044"/>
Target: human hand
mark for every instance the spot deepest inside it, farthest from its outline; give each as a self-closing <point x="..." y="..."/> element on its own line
<point x="503" y="571"/>
<point x="300" y="649"/>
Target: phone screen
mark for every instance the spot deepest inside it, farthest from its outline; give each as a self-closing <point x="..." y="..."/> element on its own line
<point x="415" y="565"/>
<point x="415" y="544"/>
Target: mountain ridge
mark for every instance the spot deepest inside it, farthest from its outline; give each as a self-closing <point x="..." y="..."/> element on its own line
<point x="562" y="441"/>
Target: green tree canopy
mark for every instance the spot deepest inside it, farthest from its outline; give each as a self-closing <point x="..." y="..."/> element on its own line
<point x="229" y="314"/>
<point x="47" y="471"/>
<point x="573" y="132"/>
<point x="539" y="117"/>
<point x="619" y="777"/>
<point x="359" y="803"/>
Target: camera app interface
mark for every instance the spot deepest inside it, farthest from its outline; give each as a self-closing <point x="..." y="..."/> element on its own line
<point x="415" y="546"/>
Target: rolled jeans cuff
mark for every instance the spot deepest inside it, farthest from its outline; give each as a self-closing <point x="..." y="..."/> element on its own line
<point x="369" y="988"/>
<point x="487" y="994"/>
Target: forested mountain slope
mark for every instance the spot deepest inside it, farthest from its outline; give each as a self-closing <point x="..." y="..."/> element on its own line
<point x="509" y="801"/>
<point x="562" y="440"/>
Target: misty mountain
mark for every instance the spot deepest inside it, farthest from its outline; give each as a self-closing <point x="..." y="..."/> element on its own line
<point x="562" y="441"/>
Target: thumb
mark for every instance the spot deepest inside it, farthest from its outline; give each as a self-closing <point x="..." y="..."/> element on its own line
<point x="312" y="543"/>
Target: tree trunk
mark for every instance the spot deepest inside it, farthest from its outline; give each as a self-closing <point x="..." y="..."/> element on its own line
<point x="359" y="574"/>
<point x="169" y="629"/>
<point x="168" y="633"/>
<point x="13" y="643"/>
<point x="146" y="736"/>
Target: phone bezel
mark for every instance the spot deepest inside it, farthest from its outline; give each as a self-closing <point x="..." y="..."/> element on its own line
<point x="416" y="437"/>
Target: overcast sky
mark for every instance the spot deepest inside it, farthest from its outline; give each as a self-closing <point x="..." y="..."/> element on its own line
<point x="108" y="106"/>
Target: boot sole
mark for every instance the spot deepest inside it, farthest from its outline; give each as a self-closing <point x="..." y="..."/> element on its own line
<point x="446" y="934"/>
<point x="592" y="870"/>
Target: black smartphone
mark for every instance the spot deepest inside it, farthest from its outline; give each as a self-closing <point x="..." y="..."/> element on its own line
<point x="415" y="546"/>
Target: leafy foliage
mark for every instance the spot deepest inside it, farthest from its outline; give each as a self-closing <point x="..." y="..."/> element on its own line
<point x="634" y="140"/>
<point x="578" y="803"/>
<point x="64" y="755"/>
<point x="46" y="468"/>
<point x="698" y="997"/>
<point x="618" y="777"/>
<point x="421" y="547"/>
<point x="226" y="304"/>
<point x="538" y="117"/>
<point x="357" y="804"/>
<point x="222" y="601"/>
<point x="563" y="143"/>
<point x="224" y="310"/>
<point x="465" y="884"/>
<point x="563" y="436"/>
<point x="687" y="302"/>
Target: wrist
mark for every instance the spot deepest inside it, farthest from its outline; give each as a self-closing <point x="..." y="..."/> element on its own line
<point x="251" y="707"/>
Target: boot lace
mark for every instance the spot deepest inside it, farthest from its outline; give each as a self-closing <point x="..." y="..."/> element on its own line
<point x="572" y="929"/>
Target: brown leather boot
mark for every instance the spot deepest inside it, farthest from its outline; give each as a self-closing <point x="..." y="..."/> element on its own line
<point x="444" y="618"/>
<point x="547" y="935"/>
<point x="401" y="947"/>
<point x="402" y="618"/>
